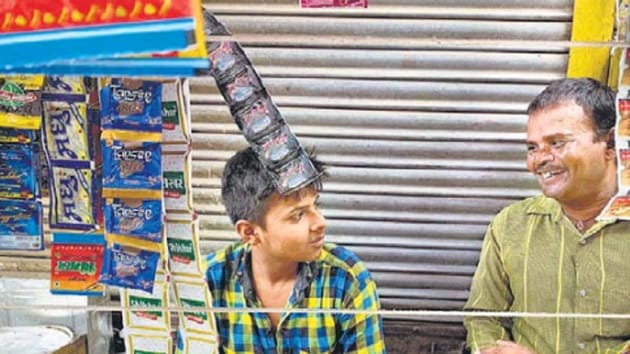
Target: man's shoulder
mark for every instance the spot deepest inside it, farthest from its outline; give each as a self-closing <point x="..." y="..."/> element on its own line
<point x="538" y="204"/>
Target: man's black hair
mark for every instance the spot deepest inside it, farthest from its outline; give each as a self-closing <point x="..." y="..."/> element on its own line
<point x="597" y="101"/>
<point x="246" y="184"/>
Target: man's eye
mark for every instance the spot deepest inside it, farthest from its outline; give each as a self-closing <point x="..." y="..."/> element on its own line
<point x="531" y="148"/>
<point x="558" y="143"/>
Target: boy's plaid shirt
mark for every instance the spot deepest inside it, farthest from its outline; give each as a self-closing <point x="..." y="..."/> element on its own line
<point x="337" y="280"/>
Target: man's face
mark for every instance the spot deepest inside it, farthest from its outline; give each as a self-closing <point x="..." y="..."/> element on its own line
<point x="565" y="156"/>
<point x="294" y="227"/>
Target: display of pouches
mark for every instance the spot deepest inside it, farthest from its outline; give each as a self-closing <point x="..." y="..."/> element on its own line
<point x="76" y="261"/>
<point x="19" y="171"/>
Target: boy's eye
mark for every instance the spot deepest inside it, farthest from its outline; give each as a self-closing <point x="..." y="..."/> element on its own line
<point x="298" y="216"/>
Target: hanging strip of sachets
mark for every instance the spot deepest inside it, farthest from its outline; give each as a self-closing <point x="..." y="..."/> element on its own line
<point x="619" y="205"/>
<point x="255" y="114"/>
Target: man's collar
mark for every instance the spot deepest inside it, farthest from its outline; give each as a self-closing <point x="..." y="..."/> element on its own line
<point x="546" y="206"/>
<point x="305" y="274"/>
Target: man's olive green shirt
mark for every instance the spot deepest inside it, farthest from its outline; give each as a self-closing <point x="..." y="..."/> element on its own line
<point x="534" y="260"/>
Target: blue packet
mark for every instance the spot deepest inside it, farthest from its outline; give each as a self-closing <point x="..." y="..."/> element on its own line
<point x="18" y="171"/>
<point x="133" y="105"/>
<point x="129" y="267"/>
<point x="132" y="169"/>
<point x="21" y="225"/>
<point x="16" y="136"/>
<point x="135" y="218"/>
<point x="72" y="204"/>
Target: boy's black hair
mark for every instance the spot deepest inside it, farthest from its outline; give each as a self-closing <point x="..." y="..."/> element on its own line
<point x="597" y="101"/>
<point x="246" y="184"/>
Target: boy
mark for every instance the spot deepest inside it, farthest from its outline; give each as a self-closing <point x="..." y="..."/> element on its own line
<point x="282" y="262"/>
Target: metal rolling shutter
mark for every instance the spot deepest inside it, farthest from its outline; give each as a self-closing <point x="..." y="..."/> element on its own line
<point x="424" y="139"/>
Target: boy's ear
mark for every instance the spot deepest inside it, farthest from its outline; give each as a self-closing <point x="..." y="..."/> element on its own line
<point x="247" y="231"/>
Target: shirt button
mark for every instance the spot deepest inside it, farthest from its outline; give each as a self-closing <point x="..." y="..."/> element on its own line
<point x="582" y="294"/>
<point x="582" y="242"/>
<point x="581" y="346"/>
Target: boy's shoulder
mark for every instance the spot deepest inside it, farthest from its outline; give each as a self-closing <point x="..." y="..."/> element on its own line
<point x="336" y="256"/>
<point x="226" y="255"/>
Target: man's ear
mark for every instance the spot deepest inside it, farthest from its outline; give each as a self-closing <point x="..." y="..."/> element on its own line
<point x="247" y="231"/>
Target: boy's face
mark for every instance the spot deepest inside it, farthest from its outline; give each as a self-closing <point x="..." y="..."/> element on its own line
<point x="293" y="227"/>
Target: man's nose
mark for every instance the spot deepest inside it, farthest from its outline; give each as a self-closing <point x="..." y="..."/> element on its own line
<point x="543" y="156"/>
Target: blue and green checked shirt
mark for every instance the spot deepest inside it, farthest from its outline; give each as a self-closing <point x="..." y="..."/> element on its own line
<point x="337" y="280"/>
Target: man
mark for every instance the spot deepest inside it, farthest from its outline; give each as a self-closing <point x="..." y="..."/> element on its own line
<point x="548" y="254"/>
<point x="283" y="262"/>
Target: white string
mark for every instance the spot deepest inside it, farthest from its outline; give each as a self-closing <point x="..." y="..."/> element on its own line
<point x="414" y="313"/>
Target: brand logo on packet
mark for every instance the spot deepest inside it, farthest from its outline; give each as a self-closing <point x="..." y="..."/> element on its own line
<point x="174" y="184"/>
<point x="170" y="116"/>
<point x="68" y="187"/>
<point x="124" y="212"/>
<point x="126" y="155"/>
<point x="59" y="122"/>
<point x="131" y="260"/>
<point x="181" y="251"/>
<point x="197" y="316"/>
<point x="13" y="96"/>
<point x="136" y="301"/>
<point x="121" y="93"/>
<point x="83" y="268"/>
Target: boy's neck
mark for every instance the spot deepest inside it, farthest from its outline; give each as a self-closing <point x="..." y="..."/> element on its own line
<point x="272" y="271"/>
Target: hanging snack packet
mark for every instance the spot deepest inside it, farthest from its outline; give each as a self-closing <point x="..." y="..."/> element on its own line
<point x="132" y="109"/>
<point x="21" y="225"/>
<point x="624" y="168"/>
<point x="148" y="343"/>
<point x="212" y="26"/>
<point x="239" y="87"/>
<point x="134" y="218"/>
<point x="67" y="132"/>
<point x="176" y="172"/>
<point x="76" y="261"/>
<point x="617" y="208"/>
<point x="175" y="121"/>
<point x="295" y="174"/>
<point x="192" y="343"/>
<point x="16" y="136"/>
<point x="182" y="238"/>
<point x="72" y="195"/>
<point x="623" y="124"/>
<point x="132" y="169"/>
<point x="65" y="88"/>
<point x="277" y="147"/>
<point x="195" y="294"/>
<point x="258" y="119"/>
<point x="129" y="266"/>
<point x="152" y="316"/>
<point x="18" y="171"/>
<point x="226" y="56"/>
<point x="20" y="101"/>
